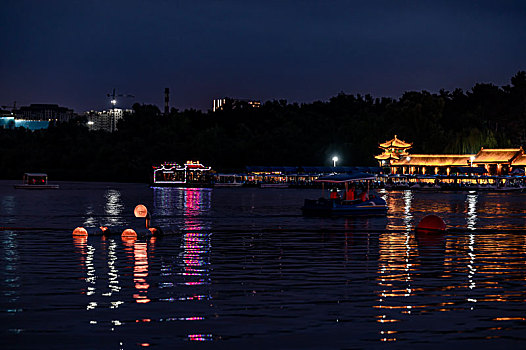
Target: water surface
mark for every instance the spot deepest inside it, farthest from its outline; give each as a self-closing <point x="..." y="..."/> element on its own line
<point x="242" y="268"/>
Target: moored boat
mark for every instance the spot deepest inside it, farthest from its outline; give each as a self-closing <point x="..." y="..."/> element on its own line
<point x="228" y="180"/>
<point x="191" y="174"/>
<point x="36" y="181"/>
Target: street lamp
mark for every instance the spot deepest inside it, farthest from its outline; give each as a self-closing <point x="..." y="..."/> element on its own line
<point x="334" y="160"/>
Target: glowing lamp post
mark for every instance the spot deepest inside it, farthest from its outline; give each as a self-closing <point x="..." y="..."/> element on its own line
<point x="334" y="160"/>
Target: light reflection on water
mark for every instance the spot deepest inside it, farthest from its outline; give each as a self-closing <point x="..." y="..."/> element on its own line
<point x="471" y="200"/>
<point x="113" y="207"/>
<point x="408" y="217"/>
<point x="259" y="272"/>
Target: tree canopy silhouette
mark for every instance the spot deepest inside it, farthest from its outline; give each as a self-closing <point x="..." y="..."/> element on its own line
<point x="277" y="133"/>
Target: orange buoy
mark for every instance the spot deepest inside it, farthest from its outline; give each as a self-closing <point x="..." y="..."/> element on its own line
<point x="129" y="233"/>
<point x="431" y="223"/>
<point x="80" y="231"/>
<point x="140" y="211"/>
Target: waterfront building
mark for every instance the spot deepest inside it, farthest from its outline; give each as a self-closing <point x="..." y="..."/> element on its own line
<point x="499" y="161"/>
<point x="431" y="164"/>
<point x="519" y="162"/>
<point x="234" y="103"/>
<point x="298" y="175"/>
<point x="392" y="151"/>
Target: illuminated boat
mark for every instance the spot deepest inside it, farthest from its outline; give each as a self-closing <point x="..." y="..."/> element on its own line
<point x="191" y="174"/>
<point x="35" y="181"/>
<point x="371" y="204"/>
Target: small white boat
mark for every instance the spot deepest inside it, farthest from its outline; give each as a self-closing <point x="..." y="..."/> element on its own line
<point x="228" y="180"/>
<point x="228" y="184"/>
<point x="35" y="181"/>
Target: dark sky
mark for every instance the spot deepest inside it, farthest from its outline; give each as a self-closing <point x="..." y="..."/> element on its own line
<point x="74" y="52"/>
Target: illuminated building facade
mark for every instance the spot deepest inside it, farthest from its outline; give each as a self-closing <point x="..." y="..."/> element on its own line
<point x="431" y="164"/>
<point x="105" y="120"/>
<point x="12" y="122"/>
<point x="45" y="112"/>
<point x="234" y="103"/>
<point x="393" y="150"/>
<point x="494" y="161"/>
<point x="35" y="116"/>
<point x="499" y="161"/>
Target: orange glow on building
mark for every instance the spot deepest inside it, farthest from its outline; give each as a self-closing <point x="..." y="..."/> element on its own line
<point x="497" y="161"/>
<point x="393" y="150"/>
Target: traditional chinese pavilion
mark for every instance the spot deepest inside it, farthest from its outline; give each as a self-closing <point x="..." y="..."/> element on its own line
<point x="500" y="161"/>
<point x="431" y="164"/>
<point x="393" y="150"/>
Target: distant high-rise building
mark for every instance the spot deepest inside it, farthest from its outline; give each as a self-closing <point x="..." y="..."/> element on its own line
<point x="105" y="120"/>
<point x="234" y="103"/>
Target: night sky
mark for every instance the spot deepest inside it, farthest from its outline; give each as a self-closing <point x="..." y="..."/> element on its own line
<point x="75" y="52"/>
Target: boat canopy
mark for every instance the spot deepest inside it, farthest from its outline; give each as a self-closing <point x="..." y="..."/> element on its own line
<point x="342" y="178"/>
<point x="312" y="170"/>
<point x="35" y="174"/>
<point x="402" y="176"/>
<point x="425" y="177"/>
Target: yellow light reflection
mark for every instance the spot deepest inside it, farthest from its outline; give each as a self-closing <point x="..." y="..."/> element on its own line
<point x="140" y="272"/>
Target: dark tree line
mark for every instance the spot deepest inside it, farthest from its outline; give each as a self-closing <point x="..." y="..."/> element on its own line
<point x="277" y="133"/>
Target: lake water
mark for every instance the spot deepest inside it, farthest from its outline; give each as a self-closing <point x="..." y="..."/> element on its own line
<point x="242" y="268"/>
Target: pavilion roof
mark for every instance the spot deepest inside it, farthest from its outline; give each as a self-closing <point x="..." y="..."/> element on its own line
<point x="385" y="156"/>
<point x="434" y="160"/>
<point x="497" y="155"/>
<point x="519" y="161"/>
<point x="395" y="142"/>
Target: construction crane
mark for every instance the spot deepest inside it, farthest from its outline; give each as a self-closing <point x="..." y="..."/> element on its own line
<point x="113" y="101"/>
<point x="114" y="96"/>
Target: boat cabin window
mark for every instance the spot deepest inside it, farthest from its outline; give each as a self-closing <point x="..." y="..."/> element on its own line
<point x="35" y="179"/>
